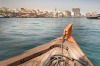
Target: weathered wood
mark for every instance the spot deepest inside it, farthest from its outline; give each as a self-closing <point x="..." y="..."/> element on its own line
<point x="73" y="49"/>
<point x="39" y="55"/>
<point x="28" y="55"/>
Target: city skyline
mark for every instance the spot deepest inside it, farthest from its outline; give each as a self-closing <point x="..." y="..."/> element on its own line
<point x="50" y="5"/>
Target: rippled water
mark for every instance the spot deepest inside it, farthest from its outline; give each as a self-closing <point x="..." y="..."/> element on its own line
<point x="20" y="34"/>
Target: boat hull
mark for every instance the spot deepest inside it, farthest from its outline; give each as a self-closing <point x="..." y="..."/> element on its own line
<point x="63" y="49"/>
<point x="92" y="17"/>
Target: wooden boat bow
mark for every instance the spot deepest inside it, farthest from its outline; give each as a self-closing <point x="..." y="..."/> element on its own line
<point x="67" y="34"/>
<point x="63" y="51"/>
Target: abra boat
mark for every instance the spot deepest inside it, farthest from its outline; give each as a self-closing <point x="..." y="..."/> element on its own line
<point x="92" y="17"/>
<point x="63" y="51"/>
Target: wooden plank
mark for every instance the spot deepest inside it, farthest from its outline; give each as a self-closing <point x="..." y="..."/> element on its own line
<point x="72" y="50"/>
<point x="38" y="63"/>
<point x="48" y="55"/>
<point x="31" y="62"/>
<point x="34" y="61"/>
<point x="26" y="55"/>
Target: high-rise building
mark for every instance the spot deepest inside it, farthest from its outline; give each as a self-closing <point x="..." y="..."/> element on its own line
<point x="76" y="12"/>
<point x="67" y="14"/>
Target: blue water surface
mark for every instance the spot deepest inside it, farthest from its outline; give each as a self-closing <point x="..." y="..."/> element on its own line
<point x="20" y="34"/>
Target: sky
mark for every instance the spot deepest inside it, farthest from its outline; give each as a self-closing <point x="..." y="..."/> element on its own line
<point x="50" y="5"/>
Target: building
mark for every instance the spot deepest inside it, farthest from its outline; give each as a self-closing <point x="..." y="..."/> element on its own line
<point x="67" y="14"/>
<point x="55" y="14"/>
<point x="76" y="12"/>
<point x="60" y="14"/>
<point x="49" y="14"/>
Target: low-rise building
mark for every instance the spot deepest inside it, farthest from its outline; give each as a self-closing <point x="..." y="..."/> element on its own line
<point x="67" y="14"/>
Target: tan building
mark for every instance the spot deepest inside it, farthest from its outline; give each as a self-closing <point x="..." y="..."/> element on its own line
<point x="67" y="14"/>
<point x="76" y="12"/>
<point x="60" y="14"/>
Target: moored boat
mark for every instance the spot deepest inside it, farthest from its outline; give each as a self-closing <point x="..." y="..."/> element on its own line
<point x="63" y="51"/>
<point x="92" y="17"/>
<point x="1" y="16"/>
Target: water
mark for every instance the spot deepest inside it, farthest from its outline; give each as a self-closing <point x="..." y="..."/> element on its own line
<point x="20" y="34"/>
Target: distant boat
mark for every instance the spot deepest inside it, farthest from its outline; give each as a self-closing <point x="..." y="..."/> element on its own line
<point x="92" y="17"/>
<point x="1" y="16"/>
<point x="98" y="16"/>
<point x="6" y="16"/>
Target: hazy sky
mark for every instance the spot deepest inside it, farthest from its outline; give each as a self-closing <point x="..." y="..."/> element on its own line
<point x="50" y="5"/>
